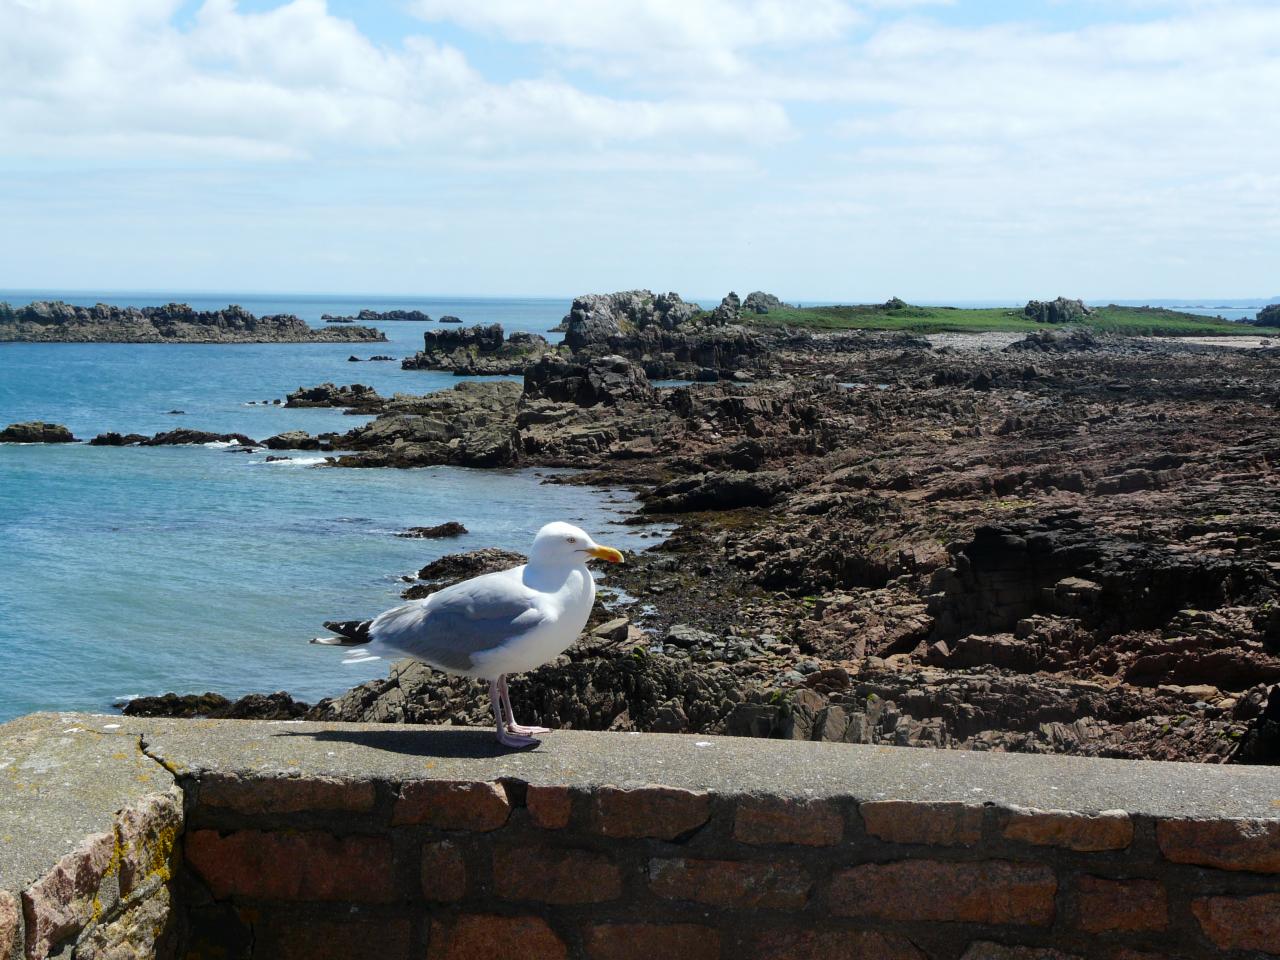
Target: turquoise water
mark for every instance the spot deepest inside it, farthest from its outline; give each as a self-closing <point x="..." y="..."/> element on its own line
<point x="94" y="387"/>
<point x="127" y="571"/>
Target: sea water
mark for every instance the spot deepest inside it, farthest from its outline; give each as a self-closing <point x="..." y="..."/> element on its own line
<point x="139" y="570"/>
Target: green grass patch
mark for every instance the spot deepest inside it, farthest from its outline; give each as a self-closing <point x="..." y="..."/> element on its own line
<point x="1130" y="321"/>
<point x="1162" y="322"/>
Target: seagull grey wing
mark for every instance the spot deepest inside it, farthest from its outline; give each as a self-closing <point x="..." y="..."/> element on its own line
<point x="451" y="626"/>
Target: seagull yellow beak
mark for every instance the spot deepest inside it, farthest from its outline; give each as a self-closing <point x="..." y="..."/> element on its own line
<point x="606" y="553"/>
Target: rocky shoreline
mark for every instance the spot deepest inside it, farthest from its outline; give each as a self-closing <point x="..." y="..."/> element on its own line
<point x="1059" y="543"/>
<point x="668" y="337"/>
<point x="56" y="322"/>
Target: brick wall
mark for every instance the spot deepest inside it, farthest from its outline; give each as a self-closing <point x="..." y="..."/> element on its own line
<point x="241" y="840"/>
<point x="317" y="868"/>
<point x="110" y="897"/>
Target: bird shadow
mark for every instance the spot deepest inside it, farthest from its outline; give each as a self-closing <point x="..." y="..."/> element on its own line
<point x="462" y="743"/>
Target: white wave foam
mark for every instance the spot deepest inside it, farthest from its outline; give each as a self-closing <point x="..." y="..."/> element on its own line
<point x="292" y="462"/>
<point x="221" y="443"/>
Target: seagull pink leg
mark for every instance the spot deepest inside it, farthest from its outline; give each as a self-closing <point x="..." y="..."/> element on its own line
<point x="506" y="737"/>
<point x="510" y="714"/>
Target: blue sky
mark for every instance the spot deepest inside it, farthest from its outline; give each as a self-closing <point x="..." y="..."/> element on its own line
<point x="820" y="149"/>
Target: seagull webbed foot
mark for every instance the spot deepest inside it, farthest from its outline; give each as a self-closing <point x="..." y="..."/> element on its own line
<point x="526" y="731"/>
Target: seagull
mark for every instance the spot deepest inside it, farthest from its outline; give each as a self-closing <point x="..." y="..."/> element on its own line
<point x="489" y="626"/>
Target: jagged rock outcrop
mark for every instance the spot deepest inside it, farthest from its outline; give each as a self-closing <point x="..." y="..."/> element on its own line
<point x="471" y="425"/>
<point x="1268" y="316"/>
<point x="727" y="310"/>
<point x="185" y="705"/>
<point x="36" y="431"/>
<point x="568" y="413"/>
<point x="454" y="568"/>
<point x="214" y="706"/>
<point x="599" y="317"/>
<point x="354" y="395"/>
<point x="730" y="490"/>
<point x="112" y="439"/>
<point x="668" y="337"/>
<point x="600" y="380"/>
<point x="451" y="528"/>
<point x="478" y="350"/>
<point x="757" y="301"/>
<point x="590" y="409"/>
<point x="1067" y="566"/>
<point x="50" y="321"/>
<point x="1061" y="310"/>
<point x="185" y="436"/>
<point x="296" y="440"/>
<point x="457" y="567"/>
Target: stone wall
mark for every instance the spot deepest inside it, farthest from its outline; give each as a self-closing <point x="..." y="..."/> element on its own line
<point x="343" y="840"/>
<point x="460" y="869"/>
<point x="90" y="829"/>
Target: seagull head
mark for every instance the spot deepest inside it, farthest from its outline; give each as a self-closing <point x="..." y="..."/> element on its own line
<point x="563" y="543"/>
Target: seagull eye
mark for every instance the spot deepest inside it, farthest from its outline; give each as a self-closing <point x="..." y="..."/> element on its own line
<point x="573" y="539"/>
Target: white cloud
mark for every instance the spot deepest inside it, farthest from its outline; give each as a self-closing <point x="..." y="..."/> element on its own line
<point x="662" y="42"/>
<point x="833" y="135"/>
<point x="1166" y="89"/>
<point x="296" y="80"/>
<point x="636" y="28"/>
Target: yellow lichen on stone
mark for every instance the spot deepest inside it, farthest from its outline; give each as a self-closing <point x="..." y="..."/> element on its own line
<point x="176" y="769"/>
<point x="117" y="854"/>
<point x="137" y="933"/>
<point x="159" y="855"/>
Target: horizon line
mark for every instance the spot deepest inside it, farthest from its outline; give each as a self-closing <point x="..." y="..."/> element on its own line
<point x="1202" y="301"/>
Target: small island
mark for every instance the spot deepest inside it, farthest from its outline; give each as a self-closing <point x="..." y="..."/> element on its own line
<point x="47" y="321"/>
<point x="373" y="316"/>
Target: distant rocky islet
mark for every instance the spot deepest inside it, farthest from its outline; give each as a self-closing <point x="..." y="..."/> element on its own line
<point x="383" y="316"/>
<point x="54" y="321"/>
<point x="36" y="431"/>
